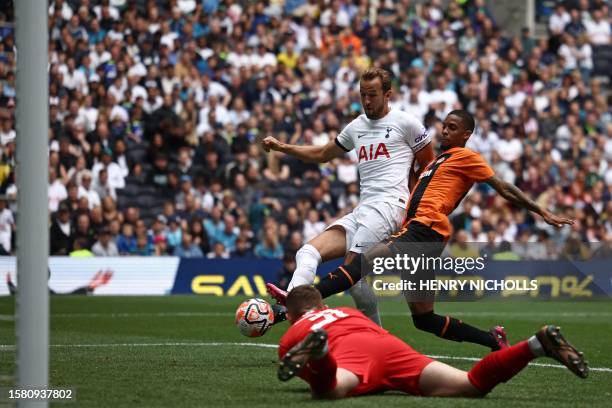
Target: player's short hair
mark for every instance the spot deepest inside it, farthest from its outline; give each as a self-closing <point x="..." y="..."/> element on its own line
<point x="373" y="73"/>
<point x="302" y="299"/>
<point x="466" y="118"/>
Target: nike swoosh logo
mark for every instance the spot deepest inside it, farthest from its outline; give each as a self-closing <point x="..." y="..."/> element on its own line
<point x="360" y="136"/>
<point x="359" y="246"/>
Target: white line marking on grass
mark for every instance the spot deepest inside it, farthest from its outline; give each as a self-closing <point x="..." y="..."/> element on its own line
<point x="10" y="347"/>
<point x="228" y="314"/>
<point x="178" y="344"/>
<point x="6" y="318"/>
<point x="517" y="314"/>
<point x="145" y="314"/>
<point x="602" y="369"/>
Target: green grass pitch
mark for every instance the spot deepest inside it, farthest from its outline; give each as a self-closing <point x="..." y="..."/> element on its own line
<point x="182" y="351"/>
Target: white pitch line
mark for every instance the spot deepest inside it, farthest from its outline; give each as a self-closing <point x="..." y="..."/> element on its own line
<point x="228" y="314"/>
<point x="144" y="314"/>
<point x="11" y="347"/>
<point x="517" y="314"/>
<point x="175" y="344"/>
<point x="602" y="369"/>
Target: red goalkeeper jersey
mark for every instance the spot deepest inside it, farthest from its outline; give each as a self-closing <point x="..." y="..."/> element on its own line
<point x="380" y="360"/>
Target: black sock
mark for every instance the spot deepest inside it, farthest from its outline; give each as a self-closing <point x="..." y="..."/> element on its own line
<point x="341" y="278"/>
<point x="452" y="329"/>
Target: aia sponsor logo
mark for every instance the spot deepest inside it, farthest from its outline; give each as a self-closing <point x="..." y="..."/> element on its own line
<point x="373" y="152"/>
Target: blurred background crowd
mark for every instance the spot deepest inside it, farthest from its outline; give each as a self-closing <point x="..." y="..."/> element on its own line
<point x="157" y="107"/>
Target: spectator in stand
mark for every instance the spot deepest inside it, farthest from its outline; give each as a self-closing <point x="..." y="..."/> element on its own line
<point x="243" y="248"/>
<point x="85" y="189"/>
<point x="72" y="200"/>
<point x="461" y="247"/>
<point x="187" y="248"/>
<point x="199" y="235"/>
<point x="218" y="252"/>
<point x="190" y="90"/>
<point x="313" y="226"/>
<point x="269" y="248"/>
<point x="161" y="246"/>
<point x="80" y="249"/>
<point x="57" y="190"/>
<point x="598" y="29"/>
<point x="214" y="225"/>
<point x="126" y="242"/>
<point x="174" y="232"/>
<point x="84" y="231"/>
<point x="62" y="232"/>
<point x="103" y="188"/>
<point x="144" y="247"/>
<point x="228" y="235"/>
<point x="115" y="174"/>
<point x="105" y="245"/>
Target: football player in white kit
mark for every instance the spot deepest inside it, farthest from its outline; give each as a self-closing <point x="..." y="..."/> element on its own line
<point x="387" y="143"/>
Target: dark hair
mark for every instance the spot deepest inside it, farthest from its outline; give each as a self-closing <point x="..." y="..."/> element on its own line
<point x="466" y="118"/>
<point x="373" y="73"/>
<point x="302" y="299"/>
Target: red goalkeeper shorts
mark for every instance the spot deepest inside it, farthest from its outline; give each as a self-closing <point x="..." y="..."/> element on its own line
<point x="381" y="361"/>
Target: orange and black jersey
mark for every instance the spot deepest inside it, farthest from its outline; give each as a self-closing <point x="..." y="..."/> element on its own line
<point x="442" y="186"/>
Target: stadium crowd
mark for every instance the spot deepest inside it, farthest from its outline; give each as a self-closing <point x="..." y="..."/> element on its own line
<point x="157" y="107"/>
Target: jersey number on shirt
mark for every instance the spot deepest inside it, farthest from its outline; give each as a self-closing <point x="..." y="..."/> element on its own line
<point x="328" y="316"/>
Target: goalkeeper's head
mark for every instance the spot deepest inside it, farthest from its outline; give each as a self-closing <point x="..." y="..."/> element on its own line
<point x="302" y="299"/>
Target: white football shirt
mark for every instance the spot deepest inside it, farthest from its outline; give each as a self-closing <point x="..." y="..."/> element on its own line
<point x="385" y="149"/>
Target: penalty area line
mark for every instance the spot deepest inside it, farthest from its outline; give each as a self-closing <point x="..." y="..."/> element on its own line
<point x="11" y="347"/>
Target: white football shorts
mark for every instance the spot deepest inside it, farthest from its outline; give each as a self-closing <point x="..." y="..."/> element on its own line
<point x="367" y="225"/>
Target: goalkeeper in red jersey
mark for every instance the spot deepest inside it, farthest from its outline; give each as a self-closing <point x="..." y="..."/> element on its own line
<point x="340" y="353"/>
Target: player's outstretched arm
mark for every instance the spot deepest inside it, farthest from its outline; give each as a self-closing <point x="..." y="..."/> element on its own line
<point x="512" y="193"/>
<point x="316" y="154"/>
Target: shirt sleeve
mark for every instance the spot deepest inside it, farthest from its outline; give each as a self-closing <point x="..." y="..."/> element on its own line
<point x="415" y="134"/>
<point x="345" y="139"/>
<point x="476" y="168"/>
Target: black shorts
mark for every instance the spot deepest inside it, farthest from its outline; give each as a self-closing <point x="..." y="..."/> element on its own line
<point x="418" y="241"/>
<point x="417" y="238"/>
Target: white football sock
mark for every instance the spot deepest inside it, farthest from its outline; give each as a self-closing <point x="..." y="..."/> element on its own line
<point x="536" y="347"/>
<point x="307" y="260"/>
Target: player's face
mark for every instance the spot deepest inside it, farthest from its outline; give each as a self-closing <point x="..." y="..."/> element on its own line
<point x="373" y="99"/>
<point x="454" y="133"/>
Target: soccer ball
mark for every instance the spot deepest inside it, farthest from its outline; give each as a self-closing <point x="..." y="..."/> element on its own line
<point x="254" y="317"/>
